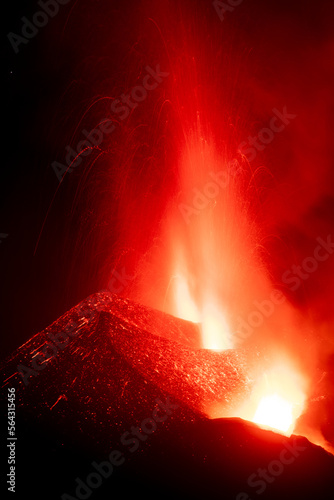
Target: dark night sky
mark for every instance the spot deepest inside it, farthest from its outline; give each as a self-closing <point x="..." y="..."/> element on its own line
<point x="46" y="87"/>
<point x="82" y="53"/>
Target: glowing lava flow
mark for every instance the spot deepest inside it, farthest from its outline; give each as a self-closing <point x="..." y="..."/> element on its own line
<point x="278" y="399"/>
<point x="274" y="411"/>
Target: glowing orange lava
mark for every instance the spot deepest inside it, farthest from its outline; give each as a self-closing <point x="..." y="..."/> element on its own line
<point x="278" y="398"/>
<point x="275" y="412"/>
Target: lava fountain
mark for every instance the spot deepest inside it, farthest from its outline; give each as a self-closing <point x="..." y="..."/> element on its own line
<point x="202" y="252"/>
<point x="216" y="272"/>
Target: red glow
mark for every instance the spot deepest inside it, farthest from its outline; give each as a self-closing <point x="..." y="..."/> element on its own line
<point x="201" y="231"/>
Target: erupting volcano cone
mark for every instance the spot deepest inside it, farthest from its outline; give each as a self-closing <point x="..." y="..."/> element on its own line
<point x="113" y="380"/>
